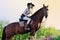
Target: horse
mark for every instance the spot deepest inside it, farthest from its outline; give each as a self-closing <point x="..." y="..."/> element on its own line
<point x="14" y="28"/>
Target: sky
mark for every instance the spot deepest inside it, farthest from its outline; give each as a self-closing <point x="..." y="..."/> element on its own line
<point x="12" y="9"/>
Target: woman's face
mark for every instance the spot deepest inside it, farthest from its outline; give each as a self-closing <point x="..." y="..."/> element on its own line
<point x="30" y="6"/>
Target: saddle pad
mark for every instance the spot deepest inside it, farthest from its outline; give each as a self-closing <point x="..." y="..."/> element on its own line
<point x="21" y="23"/>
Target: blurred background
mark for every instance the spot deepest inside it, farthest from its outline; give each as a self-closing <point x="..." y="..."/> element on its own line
<point x="10" y="11"/>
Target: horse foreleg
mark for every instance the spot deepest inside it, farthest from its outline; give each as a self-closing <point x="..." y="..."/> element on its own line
<point x="32" y="35"/>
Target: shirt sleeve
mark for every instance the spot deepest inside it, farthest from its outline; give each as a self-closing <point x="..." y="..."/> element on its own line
<point x="25" y="11"/>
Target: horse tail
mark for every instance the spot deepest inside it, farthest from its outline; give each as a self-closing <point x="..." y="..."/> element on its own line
<point x="3" y="34"/>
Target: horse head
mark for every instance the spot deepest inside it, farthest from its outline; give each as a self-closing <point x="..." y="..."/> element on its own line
<point x="45" y="10"/>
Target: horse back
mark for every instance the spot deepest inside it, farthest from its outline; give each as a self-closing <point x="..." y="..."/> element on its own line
<point x="15" y="28"/>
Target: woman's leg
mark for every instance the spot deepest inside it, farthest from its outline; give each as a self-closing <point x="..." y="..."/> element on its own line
<point x="28" y="19"/>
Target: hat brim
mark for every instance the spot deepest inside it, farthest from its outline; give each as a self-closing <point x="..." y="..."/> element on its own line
<point x="33" y="5"/>
<point x="30" y="4"/>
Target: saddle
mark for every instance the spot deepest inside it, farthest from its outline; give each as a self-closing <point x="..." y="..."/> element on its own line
<point x="22" y="22"/>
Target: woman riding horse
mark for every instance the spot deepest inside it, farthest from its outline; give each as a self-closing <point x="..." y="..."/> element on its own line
<point x="14" y="28"/>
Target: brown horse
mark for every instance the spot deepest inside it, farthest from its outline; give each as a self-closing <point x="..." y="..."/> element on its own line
<point x="15" y="28"/>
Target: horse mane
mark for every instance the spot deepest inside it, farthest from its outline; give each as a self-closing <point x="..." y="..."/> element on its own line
<point x="36" y="12"/>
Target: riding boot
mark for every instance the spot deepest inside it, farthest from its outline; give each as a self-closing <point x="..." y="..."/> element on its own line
<point x="26" y="27"/>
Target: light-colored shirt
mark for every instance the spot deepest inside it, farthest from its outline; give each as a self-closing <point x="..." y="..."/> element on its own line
<point x="27" y="12"/>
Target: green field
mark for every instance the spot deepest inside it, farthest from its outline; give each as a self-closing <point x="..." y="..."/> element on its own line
<point x="42" y="33"/>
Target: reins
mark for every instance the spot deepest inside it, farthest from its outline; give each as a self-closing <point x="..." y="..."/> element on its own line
<point x="44" y="20"/>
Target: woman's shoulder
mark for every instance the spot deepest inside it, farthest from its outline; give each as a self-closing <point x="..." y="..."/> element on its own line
<point x="26" y="9"/>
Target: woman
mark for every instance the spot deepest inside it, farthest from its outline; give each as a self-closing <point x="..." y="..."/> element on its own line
<point x="25" y="14"/>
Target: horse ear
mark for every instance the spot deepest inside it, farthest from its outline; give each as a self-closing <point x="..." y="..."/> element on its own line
<point x="43" y="5"/>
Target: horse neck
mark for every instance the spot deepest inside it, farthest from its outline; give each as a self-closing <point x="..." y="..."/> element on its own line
<point x="41" y="16"/>
<point x="38" y="17"/>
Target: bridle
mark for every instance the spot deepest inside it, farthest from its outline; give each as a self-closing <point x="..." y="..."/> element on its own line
<point x="45" y="15"/>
